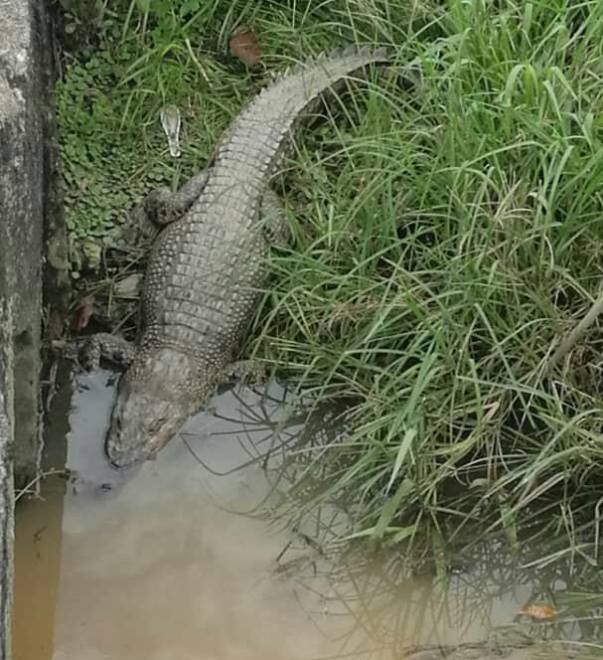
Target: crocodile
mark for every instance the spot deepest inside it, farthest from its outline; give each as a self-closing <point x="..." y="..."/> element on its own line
<point x="206" y="268"/>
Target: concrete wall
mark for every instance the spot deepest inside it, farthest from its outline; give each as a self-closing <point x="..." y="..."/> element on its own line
<point x="27" y="209"/>
<point x="32" y="250"/>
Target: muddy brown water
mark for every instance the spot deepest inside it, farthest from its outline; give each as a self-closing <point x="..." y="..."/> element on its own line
<point x="170" y="561"/>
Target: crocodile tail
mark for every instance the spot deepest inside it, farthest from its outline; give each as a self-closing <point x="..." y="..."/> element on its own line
<point x="365" y="54"/>
<point x="263" y="130"/>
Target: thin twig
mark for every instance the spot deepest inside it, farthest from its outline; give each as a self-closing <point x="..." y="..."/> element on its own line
<point x="27" y="489"/>
<point x="579" y="330"/>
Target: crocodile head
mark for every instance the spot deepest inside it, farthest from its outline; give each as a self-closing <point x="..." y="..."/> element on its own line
<point x="155" y="397"/>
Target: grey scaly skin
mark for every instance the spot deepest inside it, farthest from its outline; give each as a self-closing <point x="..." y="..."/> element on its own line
<point x="207" y="267"/>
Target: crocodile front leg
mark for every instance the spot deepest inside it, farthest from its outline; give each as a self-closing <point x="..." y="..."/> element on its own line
<point x="163" y="206"/>
<point x="112" y="348"/>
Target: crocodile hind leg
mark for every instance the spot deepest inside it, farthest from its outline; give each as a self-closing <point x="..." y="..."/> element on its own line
<point x="274" y="220"/>
<point x="247" y="371"/>
<point x="163" y="206"/>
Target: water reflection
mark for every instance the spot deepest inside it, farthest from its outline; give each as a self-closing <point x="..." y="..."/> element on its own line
<point x="174" y="560"/>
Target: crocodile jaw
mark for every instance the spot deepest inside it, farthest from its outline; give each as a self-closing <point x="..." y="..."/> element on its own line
<point x="153" y="403"/>
<point x="141" y="425"/>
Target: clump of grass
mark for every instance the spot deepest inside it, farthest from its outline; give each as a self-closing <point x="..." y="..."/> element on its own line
<point x="449" y="240"/>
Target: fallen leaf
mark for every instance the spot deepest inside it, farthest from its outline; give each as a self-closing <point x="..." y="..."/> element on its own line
<point x="539" y="612"/>
<point x="245" y="46"/>
<point x="83" y="312"/>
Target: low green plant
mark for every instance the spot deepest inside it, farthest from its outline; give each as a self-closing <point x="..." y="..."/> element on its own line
<point x="448" y="241"/>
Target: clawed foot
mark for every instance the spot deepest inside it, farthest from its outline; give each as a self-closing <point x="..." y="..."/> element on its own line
<point x="112" y="348"/>
<point x="250" y="372"/>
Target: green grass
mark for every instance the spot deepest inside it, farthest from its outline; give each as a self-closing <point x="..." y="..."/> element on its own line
<point x="446" y="240"/>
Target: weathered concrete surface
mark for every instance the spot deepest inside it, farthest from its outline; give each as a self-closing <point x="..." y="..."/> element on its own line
<point x="26" y="168"/>
<point x="32" y="249"/>
<point x="6" y="483"/>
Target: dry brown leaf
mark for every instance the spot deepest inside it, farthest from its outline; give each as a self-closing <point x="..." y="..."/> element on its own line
<point x="539" y="612"/>
<point x="83" y="312"/>
<point x="245" y="46"/>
